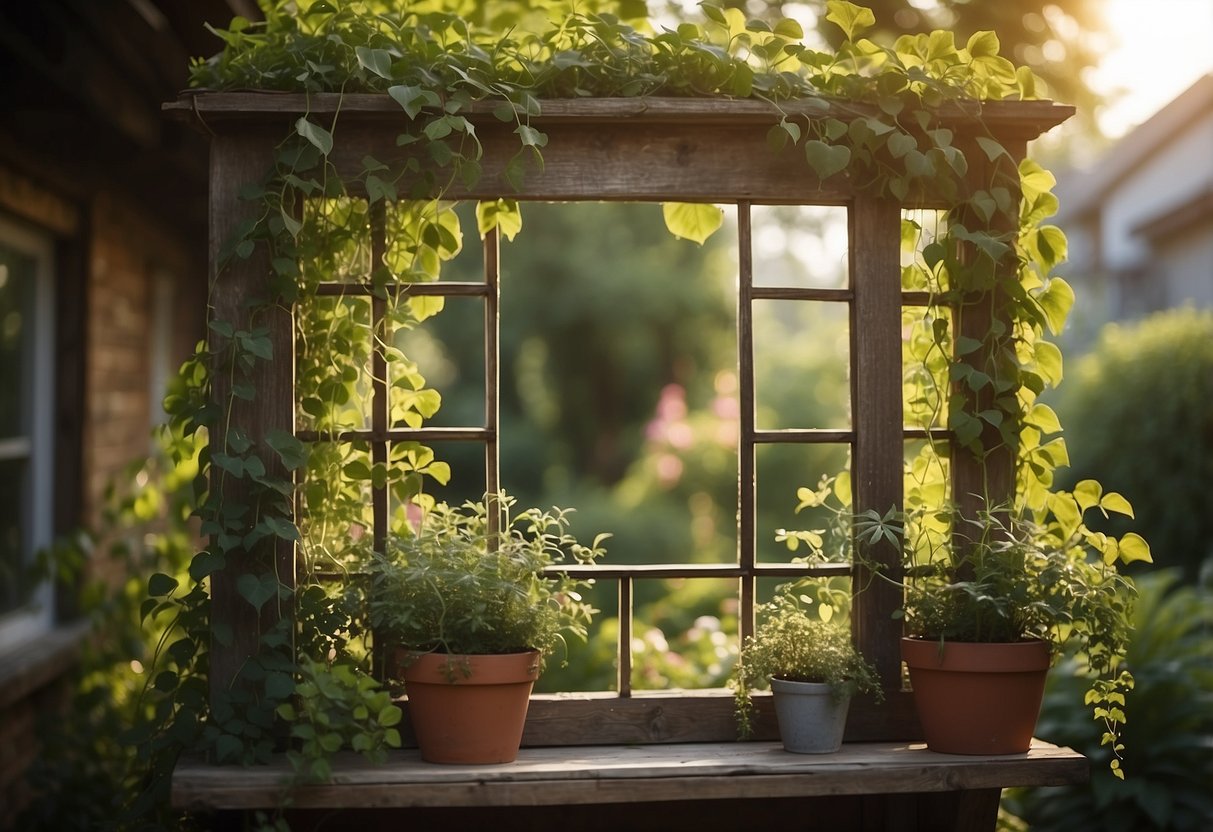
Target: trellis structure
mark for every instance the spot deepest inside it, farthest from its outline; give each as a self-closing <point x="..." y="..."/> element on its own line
<point x="668" y="150"/>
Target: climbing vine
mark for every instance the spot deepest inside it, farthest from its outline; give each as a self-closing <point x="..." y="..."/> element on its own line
<point x="867" y="112"/>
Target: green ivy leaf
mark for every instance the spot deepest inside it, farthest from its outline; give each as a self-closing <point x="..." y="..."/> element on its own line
<point x="789" y="28"/>
<point x="1113" y="501"/>
<point x="983" y="44"/>
<point x="1056" y="301"/>
<point x="502" y="214"/>
<point x="257" y="589"/>
<point x="530" y="136"/>
<point x="320" y="138"/>
<point x="1049" y="243"/>
<point x="1066" y="512"/>
<point x="919" y="165"/>
<point x="412" y="99"/>
<point x="379" y="189"/>
<point x="850" y="18"/>
<point x="378" y="61"/>
<point x="425" y="306"/>
<point x="292" y="452"/>
<point x="206" y="563"/>
<point x="826" y="160"/>
<point x="991" y="147"/>
<point x="1133" y="547"/>
<point x="834" y="128"/>
<point x="440" y="472"/>
<point x="900" y="144"/>
<point x="1048" y="362"/>
<point x="283" y="529"/>
<point x="232" y="464"/>
<point x="160" y="584"/>
<point x="279" y="685"/>
<point x="966" y="428"/>
<point x="1044" y="418"/>
<point x="389" y="716"/>
<point x="714" y="13"/>
<point x="695" y="221"/>
<point x="1087" y="494"/>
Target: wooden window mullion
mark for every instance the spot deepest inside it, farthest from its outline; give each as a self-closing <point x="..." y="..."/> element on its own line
<point x="492" y="369"/>
<point x="876" y="406"/>
<point x="380" y="386"/>
<point x="746" y="475"/>
<point x="625" y="637"/>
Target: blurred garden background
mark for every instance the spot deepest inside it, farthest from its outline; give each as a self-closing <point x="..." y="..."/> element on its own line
<point x="619" y="393"/>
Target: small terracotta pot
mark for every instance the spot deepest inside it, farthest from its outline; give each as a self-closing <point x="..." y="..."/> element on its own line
<point x="977" y="698"/>
<point x="468" y="709"/>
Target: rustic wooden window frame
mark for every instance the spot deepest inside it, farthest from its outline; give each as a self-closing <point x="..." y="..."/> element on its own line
<point x="636" y="150"/>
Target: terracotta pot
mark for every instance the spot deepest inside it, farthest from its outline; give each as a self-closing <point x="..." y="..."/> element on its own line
<point x="977" y="698"/>
<point x="468" y="709"/>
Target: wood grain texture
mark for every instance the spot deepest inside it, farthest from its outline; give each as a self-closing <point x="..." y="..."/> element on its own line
<point x="210" y="109"/>
<point x="640" y="149"/>
<point x="629" y="774"/>
<point x="876" y="413"/>
<point x="235" y="162"/>
<point x="679" y="716"/>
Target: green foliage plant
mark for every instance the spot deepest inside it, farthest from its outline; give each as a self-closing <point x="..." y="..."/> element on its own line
<point x="1168" y="739"/>
<point x="338" y="706"/>
<point x="793" y="644"/>
<point x="460" y="586"/>
<point x="1008" y="575"/>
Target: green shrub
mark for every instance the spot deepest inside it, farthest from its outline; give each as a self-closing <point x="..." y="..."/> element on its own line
<point x="1139" y="417"/>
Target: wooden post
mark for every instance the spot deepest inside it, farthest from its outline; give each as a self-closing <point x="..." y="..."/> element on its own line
<point x="876" y="412"/>
<point x="236" y="626"/>
<point x="987" y="479"/>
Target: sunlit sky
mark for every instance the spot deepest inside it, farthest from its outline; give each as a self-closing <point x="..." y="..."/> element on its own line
<point x="1160" y="48"/>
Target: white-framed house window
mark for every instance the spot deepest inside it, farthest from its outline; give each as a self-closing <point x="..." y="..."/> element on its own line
<point x="27" y="384"/>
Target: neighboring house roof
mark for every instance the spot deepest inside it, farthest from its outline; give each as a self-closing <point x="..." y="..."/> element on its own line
<point x="1186" y="215"/>
<point x="1086" y="190"/>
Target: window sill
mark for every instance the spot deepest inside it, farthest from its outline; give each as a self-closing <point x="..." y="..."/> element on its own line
<point x="46" y="657"/>
<point x="627" y="774"/>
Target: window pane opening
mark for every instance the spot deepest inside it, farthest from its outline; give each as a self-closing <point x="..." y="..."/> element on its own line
<point x="800" y="246"/>
<point x="926" y="355"/>
<point x="437" y="377"/>
<point x="784" y="533"/>
<point x="802" y="365"/>
<point x="922" y="266"/>
<point x="687" y="638"/>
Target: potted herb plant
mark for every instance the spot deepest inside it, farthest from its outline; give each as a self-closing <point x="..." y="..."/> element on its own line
<point x="990" y="599"/>
<point x="471" y="614"/>
<point x="812" y="668"/>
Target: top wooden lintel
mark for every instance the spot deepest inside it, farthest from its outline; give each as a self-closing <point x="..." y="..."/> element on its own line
<point x="213" y="111"/>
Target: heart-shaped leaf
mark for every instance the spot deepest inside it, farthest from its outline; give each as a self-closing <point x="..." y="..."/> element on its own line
<point x="826" y="160"/>
<point x="692" y="221"/>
